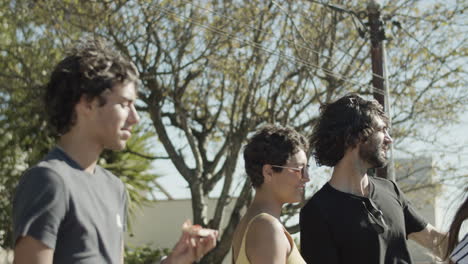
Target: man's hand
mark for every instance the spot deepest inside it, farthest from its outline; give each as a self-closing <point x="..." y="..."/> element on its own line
<point x="431" y="239"/>
<point x="194" y="243"/>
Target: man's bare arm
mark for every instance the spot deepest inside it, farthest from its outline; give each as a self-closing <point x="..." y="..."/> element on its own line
<point x="31" y="251"/>
<point x="431" y="239"/>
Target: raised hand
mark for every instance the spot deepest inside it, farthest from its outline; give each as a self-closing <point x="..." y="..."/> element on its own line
<point x="193" y="244"/>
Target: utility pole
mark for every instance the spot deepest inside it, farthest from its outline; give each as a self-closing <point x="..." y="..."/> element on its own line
<point x="379" y="78"/>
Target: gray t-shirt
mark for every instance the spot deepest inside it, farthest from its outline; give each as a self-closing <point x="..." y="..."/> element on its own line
<point x="80" y="215"/>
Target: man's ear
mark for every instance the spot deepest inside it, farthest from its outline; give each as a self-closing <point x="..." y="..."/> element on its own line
<point x="84" y="105"/>
<point x="267" y="172"/>
<point x="353" y="150"/>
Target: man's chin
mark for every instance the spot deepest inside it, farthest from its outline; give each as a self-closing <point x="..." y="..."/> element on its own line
<point x="117" y="147"/>
<point x="379" y="166"/>
<point x="380" y="163"/>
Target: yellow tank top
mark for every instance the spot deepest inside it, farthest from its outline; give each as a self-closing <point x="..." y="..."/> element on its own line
<point x="293" y="258"/>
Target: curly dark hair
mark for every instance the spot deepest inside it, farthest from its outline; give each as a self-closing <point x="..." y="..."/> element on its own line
<point x="343" y="124"/>
<point x="90" y="68"/>
<point x="272" y="144"/>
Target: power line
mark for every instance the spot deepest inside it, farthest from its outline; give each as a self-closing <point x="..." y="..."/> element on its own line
<point x="279" y="38"/>
<point x="256" y="45"/>
<point x="426" y="48"/>
<point x="429" y="20"/>
<point x="332" y="6"/>
<point x="343" y="10"/>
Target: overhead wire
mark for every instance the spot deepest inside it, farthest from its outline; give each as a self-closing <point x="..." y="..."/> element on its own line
<point x="285" y="40"/>
<point x="303" y="62"/>
<point x="339" y="8"/>
<point x="261" y="47"/>
<point x="261" y="30"/>
<point x="426" y="48"/>
<point x="342" y="10"/>
<point x="429" y="20"/>
<point x="399" y="26"/>
<point x="383" y="92"/>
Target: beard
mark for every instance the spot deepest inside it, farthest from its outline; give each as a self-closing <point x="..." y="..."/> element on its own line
<point x="373" y="154"/>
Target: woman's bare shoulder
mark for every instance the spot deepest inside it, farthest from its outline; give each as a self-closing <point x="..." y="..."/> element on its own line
<point x="266" y="241"/>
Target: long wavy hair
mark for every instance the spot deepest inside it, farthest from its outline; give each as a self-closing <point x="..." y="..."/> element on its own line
<point x="460" y="216"/>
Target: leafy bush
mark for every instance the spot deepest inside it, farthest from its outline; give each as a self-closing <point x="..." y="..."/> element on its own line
<point x="144" y="255"/>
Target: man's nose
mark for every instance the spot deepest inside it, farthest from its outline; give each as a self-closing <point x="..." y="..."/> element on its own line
<point x="388" y="138"/>
<point x="306" y="175"/>
<point x="133" y="118"/>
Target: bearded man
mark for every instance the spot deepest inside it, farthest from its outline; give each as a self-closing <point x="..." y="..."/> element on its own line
<point x="356" y="218"/>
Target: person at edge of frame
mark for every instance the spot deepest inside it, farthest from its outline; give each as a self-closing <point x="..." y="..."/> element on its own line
<point x="457" y="250"/>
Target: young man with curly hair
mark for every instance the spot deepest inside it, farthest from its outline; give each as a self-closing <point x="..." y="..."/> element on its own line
<point x="356" y="218"/>
<point x="67" y="209"/>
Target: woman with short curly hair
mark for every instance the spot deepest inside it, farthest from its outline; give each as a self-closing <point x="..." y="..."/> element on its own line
<point x="276" y="163"/>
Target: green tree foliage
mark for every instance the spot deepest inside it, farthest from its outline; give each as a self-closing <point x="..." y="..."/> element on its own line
<point x="144" y="255"/>
<point x="214" y="71"/>
<point x="23" y="55"/>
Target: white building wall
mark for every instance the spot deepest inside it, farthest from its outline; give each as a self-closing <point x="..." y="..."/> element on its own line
<point x="416" y="175"/>
<point x="159" y="224"/>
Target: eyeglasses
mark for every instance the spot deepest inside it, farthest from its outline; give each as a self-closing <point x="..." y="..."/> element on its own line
<point x="304" y="170"/>
<point x="375" y="217"/>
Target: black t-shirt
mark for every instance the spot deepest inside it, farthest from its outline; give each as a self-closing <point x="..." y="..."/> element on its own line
<point x="339" y="227"/>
